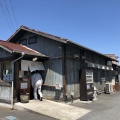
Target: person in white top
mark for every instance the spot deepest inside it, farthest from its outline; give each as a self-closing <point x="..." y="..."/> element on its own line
<point x="37" y="81"/>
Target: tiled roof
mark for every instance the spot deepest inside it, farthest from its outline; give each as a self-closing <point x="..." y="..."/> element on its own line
<point x="18" y="48"/>
<point x="24" y="29"/>
<point x="112" y="56"/>
<point x="43" y="33"/>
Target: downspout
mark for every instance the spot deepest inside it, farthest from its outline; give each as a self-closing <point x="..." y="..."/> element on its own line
<point x="12" y="64"/>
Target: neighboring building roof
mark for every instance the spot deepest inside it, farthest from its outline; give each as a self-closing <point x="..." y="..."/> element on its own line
<point x="23" y="29"/>
<point x="18" y="48"/>
<point x="112" y="56"/>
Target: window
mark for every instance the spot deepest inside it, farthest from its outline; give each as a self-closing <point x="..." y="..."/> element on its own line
<point x="32" y="40"/>
<point x="23" y="42"/>
<point x="7" y="71"/>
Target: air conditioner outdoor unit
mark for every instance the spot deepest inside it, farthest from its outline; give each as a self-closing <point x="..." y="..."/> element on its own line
<point x="108" y="88"/>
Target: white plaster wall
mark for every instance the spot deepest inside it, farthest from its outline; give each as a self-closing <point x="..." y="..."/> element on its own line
<point x="5" y="93"/>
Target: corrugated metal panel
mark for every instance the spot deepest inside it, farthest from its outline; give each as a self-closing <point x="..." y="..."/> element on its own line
<point x="95" y="75"/>
<point x="73" y="83"/>
<point x="70" y="50"/>
<point x="45" y="46"/>
<point x="97" y="59"/>
<point x="4" y="53"/>
<point x="53" y="76"/>
<point x="110" y="75"/>
<point x="102" y="76"/>
<point x="103" y="61"/>
<point x="52" y="48"/>
<point x="87" y="55"/>
<point x="97" y="79"/>
<point x="5" y="93"/>
<point x="93" y="51"/>
<point x="54" y="71"/>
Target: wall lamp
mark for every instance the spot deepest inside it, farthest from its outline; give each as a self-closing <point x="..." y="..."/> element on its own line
<point x="34" y="59"/>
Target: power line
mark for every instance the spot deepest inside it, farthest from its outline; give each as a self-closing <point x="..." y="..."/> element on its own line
<point x="5" y="15"/>
<point x="9" y="15"/>
<point x="13" y="13"/>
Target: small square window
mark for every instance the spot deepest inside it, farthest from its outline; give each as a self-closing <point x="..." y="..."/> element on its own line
<point x="32" y="40"/>
<point x="23" y="41"/>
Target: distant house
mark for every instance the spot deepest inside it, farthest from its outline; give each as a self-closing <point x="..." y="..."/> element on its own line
<point x="114" y="57"/>
<point x="116" y="68"/>
<point x="69" y="70"/>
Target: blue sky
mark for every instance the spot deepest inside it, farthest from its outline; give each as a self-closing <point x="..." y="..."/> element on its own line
<point x="92" y="23"/>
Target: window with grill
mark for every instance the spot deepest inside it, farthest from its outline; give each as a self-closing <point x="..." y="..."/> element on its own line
<point x="23" y="42"/>
<point x="89" y="76"/>
<point x="32" y="40"/>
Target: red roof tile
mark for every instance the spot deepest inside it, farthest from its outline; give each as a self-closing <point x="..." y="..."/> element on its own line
<point x="18" y="48"/>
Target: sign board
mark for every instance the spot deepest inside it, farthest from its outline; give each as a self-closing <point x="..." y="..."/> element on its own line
<point x="36" y="66"/>
<point x="88" y="86"/>
<point x="7" y="77"/>
<point x="103" y="79"/>
<point x="32" y="65"/>
<point x="23" y="86"/>
<point x="21" y="74"/>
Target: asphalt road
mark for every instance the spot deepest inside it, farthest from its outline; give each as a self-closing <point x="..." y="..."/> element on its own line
<point x="21" y="115"/>
<point x="107" y="107"/>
